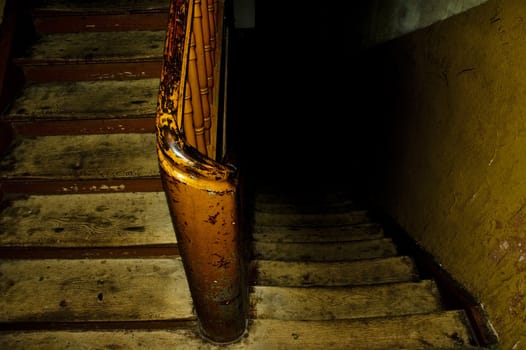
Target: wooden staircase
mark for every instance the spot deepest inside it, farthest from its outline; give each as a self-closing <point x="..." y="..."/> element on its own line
<point x="88" y="254"/>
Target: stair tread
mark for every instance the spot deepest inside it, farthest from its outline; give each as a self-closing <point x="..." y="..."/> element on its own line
<point x="122" y="6"/>
<point x="440" y="330"/>
<point x="334" y="274"/>
<point x="94" y="47"/>
<point x="93" y="290"/>
<point x="82" y="157"/>
<point x="299" y="234"/>
<point x="73" y="100"/>
<point x="95" y="220"/>
<point x="333" y="251"/>
<point x="330" y="303"/>
<point x="351" y="217"/>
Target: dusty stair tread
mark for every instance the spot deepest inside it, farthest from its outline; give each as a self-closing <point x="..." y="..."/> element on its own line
<point x="337" y="251"/>
<point x="441" y="330"/>
<point x="96" y="47"/>
<point x="94" y="220"/>
<point x="94" y="290"/>
<point x="295" y="234"/>
<point x="74" y="100"/>
<point x="112" y="156"/>
<point x="330" y="303"/>
<point x="352" y="217"/>
<point x="334" y="274"/>
<point x="104" y="6"/>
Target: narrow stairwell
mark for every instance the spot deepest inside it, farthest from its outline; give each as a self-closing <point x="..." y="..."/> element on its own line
<point x="325" y="274"/>
<point x="88" y="255"/>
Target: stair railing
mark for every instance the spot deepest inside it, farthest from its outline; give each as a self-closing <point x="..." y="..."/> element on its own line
<point x="202" y="193"/>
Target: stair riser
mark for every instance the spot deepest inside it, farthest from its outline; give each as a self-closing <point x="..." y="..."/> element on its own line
<point x="94" y="71"/>
<point x="85" y="127"/>
<point x="93" y="22"/>
<point x="88" y="186"/>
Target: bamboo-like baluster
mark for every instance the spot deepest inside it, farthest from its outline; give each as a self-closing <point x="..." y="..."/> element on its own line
<point x="211" y="11"/>
<point x="201" y="68"/>
<point x="195" y="92"/>
<point x="188" y="119"/>
<point x="207" y="33"/>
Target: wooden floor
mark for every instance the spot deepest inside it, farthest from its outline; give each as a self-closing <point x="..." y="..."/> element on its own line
<point x="88" y="255"/>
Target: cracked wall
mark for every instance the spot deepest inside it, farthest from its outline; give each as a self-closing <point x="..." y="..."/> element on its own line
<point x="451" y="168"/>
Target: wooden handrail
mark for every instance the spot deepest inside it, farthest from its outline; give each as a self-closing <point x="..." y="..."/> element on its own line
<point x="202" y="193"/>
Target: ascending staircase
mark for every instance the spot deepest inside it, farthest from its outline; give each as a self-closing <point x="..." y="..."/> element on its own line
<point x="89" y="258"/>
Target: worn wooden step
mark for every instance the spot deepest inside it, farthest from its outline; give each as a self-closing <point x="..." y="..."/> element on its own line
<point x="89" y="221"/>
<point x="334" y="274"/>
<point x="94" y="56"/>
<point x="336" y="251"/>
<point x="76" y="100"/>
<point x="286" y="303"/>
<point x="352" y="217"/>
<point x="441" y="330"/>
<point x="82" y="157"/>
<point x="99" y="15"/>
<point x="295" y="234"/>
<point x="93" y="290"/>
<point x="106" y="163"/>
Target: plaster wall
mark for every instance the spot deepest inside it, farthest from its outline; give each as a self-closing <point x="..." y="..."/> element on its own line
<point x="448" y="156"/>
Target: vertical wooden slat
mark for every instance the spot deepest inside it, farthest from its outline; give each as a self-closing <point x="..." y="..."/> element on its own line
<point x="201" y="68"/>
<point x="207" y="33"/>
<point x="197" y="107"/>
<point x="213" y="28"/>
<point x="188" y="124"/>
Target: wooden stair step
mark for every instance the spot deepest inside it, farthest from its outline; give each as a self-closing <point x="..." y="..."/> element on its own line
<point x="95" y="220"/>
<point x="352" y="217"/>
<point x="337" y="251"/>
<point x="440" y="330"/>
<point x="92" y="47"/>
<point x="295" y="234"/>
<point x="58" y="290"/>
<point x="287" y="303"/>
<point x="334" y="274"/>
<point x="74" y="100"/>
<point x="94" y="56"/>
<point x="99" y="15"/>
<point x="83" y="157"/>
<point x="305" y="208"/>
<point x="444" y="330"/>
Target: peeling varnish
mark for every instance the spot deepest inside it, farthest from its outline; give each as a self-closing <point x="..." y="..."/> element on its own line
<point x="94" y="188"/>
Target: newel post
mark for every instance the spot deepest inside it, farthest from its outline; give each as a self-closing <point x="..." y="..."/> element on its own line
<point x="203" y="204"/>
<point x="202" y="194"/>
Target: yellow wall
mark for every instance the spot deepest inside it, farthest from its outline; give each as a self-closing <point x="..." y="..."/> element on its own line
<point x="455" y="150"/>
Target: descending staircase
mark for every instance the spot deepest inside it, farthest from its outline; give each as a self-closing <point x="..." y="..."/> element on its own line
<point x="88" y="254"/>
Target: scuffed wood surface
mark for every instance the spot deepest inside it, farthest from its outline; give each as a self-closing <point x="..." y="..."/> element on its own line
<point x="82" y="157"/>
<point x="91" y="47"/>
<point x="93" y="290"/>
<point x="315" y="219"/>
<point x="332" y="274"/>
<point x="87" y="100"/>
<point x="284" y="303"/>
<point x="295" y="234"/>
<point x="96" y="220"/>
<point x="444" y="330"/>
<point x="338" y="251"/>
